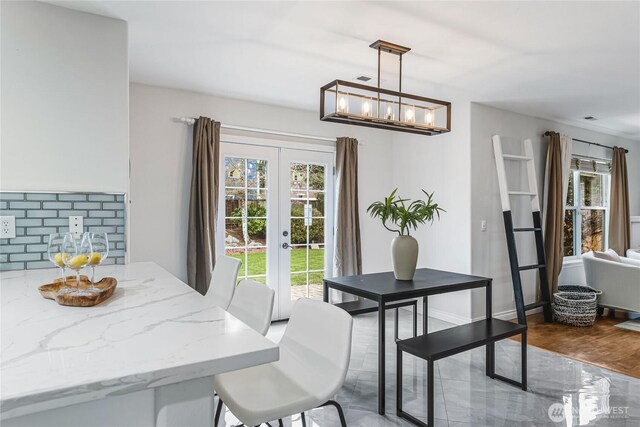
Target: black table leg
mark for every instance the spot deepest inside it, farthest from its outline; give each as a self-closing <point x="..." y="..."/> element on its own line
<point x="398" y="381"/>
<point x="425" y="314"/>
<point x="325" y="292"/>
<point x="430" y="393"/>
<point x="491" y="347"/>
<point x="524" y="360"/>
<point x="381" y="345"/>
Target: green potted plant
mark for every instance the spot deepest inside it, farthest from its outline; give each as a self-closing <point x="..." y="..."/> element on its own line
<point x="400" y="216"/>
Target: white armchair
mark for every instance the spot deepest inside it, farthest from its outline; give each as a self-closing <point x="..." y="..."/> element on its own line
<point x="619" y="281"/>
<point x="634" y="253"/>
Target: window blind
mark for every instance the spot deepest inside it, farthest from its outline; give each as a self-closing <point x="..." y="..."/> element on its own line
<point x="590" y="165"/>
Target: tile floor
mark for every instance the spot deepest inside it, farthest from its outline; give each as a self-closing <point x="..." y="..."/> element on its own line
<point x="465" y="397"/>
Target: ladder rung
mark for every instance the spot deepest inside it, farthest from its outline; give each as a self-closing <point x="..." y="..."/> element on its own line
<point x="536" y="305"/>
<point x="522" y="193"/>
<point x="516" y="157"/>
<point x="531" y="267"/>
<point x="517" y="230"/>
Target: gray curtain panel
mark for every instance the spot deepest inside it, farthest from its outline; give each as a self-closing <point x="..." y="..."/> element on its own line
<point x="554" y="211"/>
<point x="619" y="214"/>
<point x="348" y="252"/>
<point x="203" y="204"/>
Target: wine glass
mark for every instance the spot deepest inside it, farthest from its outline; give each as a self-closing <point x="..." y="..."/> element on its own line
<point x="54" y="251"/>
<point x="75" y="253"/>
<point x="100" y="252"/>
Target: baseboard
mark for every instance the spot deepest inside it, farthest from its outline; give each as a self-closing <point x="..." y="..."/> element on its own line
<point x="509" y="314"/>
<point x="448" y="317"/>
<point x="461" y="320"/>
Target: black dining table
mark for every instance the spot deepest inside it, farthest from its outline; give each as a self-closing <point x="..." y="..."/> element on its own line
<point x="383" y="288"/>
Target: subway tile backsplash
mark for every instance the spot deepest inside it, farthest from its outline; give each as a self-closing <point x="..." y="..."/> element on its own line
<point x="39" y="214"/>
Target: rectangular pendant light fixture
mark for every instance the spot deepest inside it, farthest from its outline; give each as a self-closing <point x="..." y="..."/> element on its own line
<point x="357" y="104"/>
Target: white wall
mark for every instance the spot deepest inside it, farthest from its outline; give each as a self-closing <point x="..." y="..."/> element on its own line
<point x="489" y="256"/>
<point x="441" y="164"/>
<point x="65" y="100"/>
<point x="161" y="168"/>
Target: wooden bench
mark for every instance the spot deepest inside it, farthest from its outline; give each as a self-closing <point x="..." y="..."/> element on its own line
<point x="363" y="306"/>
<point x="441" y="344"/>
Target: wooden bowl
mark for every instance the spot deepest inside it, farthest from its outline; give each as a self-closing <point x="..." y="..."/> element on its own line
<point x="106" y="288"/>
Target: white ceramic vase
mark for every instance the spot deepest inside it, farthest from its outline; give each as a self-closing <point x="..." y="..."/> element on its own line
<point x="404" y="255"/>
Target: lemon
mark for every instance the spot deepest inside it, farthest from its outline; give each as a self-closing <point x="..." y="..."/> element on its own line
<point x="58" y="259"/>
<point x="78" y="261"/>
<point x="95" y="258"/>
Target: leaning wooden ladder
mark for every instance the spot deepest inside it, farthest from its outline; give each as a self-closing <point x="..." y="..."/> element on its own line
<point x="516" y="268"/>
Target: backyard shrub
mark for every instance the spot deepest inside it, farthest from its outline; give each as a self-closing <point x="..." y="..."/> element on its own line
<point x="299" y="230"/>
<point x="256" y="227"/>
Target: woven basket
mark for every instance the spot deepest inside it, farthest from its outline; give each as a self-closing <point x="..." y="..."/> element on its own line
<point x="575" y="308"/>
<point x="579" y="289"/>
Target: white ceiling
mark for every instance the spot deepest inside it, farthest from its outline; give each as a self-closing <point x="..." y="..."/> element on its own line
<point x="557" y="60"/>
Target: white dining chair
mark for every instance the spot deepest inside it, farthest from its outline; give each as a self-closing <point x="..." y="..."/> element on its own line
<point x="314" y="358"/>
<point x="223" y="281"/>
<point x="252" y="303"/>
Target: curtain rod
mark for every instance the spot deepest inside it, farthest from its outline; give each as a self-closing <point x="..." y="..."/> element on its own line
<point x="190" y="121"/>
<point x="548" y="133"/>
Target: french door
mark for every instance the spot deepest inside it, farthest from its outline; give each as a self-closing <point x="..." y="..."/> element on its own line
<point x="276" y="214"/>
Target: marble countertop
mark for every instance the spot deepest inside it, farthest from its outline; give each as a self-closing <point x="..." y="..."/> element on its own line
<point x="155" y="330"/>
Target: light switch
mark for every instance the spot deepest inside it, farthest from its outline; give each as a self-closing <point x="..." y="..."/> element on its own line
<point x="7" y="227"/>
<point x="76" y="225"/>
<point x="483" y="225"/>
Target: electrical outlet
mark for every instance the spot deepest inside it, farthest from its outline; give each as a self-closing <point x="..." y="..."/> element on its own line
<point x="76" y="225"/>
<point x="7" y="227"/>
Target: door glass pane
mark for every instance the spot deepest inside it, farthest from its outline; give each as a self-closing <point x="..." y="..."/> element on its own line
<point x="316" y="257"/>
<point x="307" y="229"/>
<point x="298" y="232"/>
<point x="592" y="230"/>
<point x="245" y="196"/>
<point x="234" y="172"/>
<point x="316" y="177"/>
<point x="591" y="189"/>
<point x="316" y="230"/>
<point x="297" y="208"/>
<point x="257" y="173"/>
<point x="234" y="202"/>
<point x="569" y="227"/>
<point x="299" y="259"/>
<point x="299" y="176"/>
<point x="570" y="190"/>
<point x="316" y="199"/>
<point x="234" y="233"/>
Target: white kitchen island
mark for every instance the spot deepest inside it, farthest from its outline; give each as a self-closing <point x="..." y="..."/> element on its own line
<point x="145" y="357"/>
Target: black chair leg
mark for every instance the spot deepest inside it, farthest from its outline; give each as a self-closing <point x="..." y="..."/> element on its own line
<point x="280" y="422"/>
<point x="218" y="411"/>
<point x="343" y="421"/>
<point x="304" y="419"/>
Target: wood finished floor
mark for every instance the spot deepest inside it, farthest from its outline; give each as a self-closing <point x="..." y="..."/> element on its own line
<point x="602" y="344"/>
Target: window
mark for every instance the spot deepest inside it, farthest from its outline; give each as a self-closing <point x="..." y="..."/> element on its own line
<point x="587" y="207"/>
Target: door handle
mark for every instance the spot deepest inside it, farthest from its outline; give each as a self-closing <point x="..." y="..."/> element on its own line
<point x="285" y="245"/>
